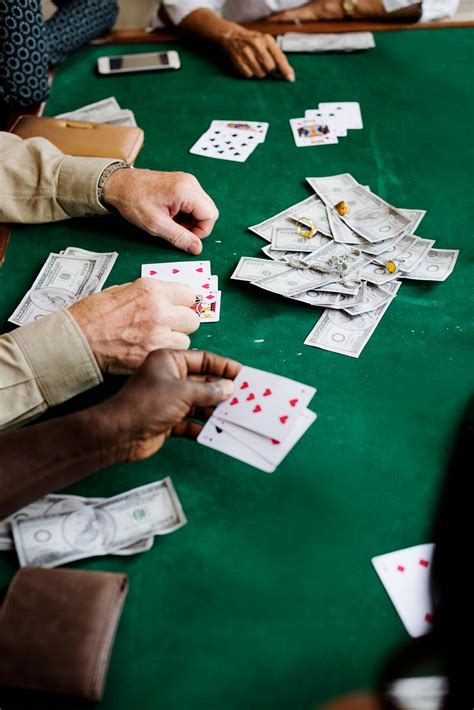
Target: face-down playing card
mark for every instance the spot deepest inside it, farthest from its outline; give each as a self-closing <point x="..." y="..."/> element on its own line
<point x="265" y="403"/>
<point x="405" y="574"/>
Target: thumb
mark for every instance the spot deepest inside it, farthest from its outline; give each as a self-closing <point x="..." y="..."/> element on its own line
<point x="179" y="236"/>
<point x="208" y="394"/>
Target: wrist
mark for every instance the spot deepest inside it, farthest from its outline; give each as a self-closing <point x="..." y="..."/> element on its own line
<point x="112" y="184"/>
<point x="84" y="317"/>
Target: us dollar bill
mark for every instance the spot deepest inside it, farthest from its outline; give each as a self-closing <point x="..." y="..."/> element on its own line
<point x="52" y="504"/>
<point x="327" y="299"/>
<point x="311" y="207"/>
<point x="96" y="112"/>
<point x="101" y="528"/>
<point x="62" y="281"/>
<point x="374" y="297"/>
<point x="407" y="253"/>
<point x="368" y="215"/>
<point x="378" y="274"/>
<point x="319" y="43"/>
<point x="277" y="255"/>
<point x="341" y="333"/>
<point x="342" y="233"/>
<point x="125" y="117"/>
<point x="288" y="239"/>
<point x="252" y="269"/>
<point x="414" y="218"/>
<point x="436" y="265"/>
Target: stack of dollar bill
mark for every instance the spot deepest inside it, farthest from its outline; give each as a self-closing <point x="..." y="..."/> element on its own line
<point x="319" y="43"/>
<point x="64" y="279"/>
<point x="353" y="265"/>
<point x="104" y="111"/>
<point x="58" y="529"/>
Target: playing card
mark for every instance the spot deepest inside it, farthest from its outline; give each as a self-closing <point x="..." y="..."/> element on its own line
<point x="234" y="145"/>
<point x="310" y="131"/>
<point x="200" y="283"/>
<point x="178" y="270"/>
<point x="334" y="120"/>
<point x="208" y="307"/>
<point x="258" y="128"/>
<point x="348" y="110"/>
<point x="265" y="403"/>
<point x="405" y="574"/>
<point x="216" y="438"/>
<point x="271" y="450"/>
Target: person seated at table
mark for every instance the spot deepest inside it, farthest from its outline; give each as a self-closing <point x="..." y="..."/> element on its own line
<point x="29" y="45"/>
<point x="255" y="54"/>
<point x="171" y="394"/>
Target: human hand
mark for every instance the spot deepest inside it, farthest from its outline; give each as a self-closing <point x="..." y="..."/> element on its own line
<point x="169" y="205"/>
<point x="123" y="324"/>
<point x="311" y="11"/>
<point x="254" y="53"/>
<point x="170" y="390"/>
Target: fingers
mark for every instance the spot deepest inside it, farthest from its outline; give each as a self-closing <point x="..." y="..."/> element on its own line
<point x="280" y="60"/>
<point x="187" y="429"/>
<point x="178" y="236"/>
<point x="241" y="66"/>
<point x="208" y="394"/>
<point x="251" y="59"/>
<point x="182" y="319"/>
<point x="175" y="341"/>
<point x="177" y="294"/>
<point x="206" y="363"/>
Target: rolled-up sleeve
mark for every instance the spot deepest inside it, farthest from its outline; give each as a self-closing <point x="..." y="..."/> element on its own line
<point x="177" y="10"/>
<point x="38" y="183"/>
<point x="43" y="364"/>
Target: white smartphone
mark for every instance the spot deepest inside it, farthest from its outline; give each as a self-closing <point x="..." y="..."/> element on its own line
<point x="130" y="63"/>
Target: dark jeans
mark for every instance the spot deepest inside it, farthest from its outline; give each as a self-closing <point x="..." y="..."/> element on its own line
<point x="28" y="45"/>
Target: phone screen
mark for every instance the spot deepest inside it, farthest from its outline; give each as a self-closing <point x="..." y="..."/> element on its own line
<point x="139" y="61"/>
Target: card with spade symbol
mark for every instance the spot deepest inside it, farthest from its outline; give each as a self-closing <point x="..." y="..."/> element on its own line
<point x="223" y="144"/>
<point x="265" y="403"/>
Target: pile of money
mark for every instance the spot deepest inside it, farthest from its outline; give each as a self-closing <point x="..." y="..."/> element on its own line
<point x="64" y="279"/>
<point x="104" y="111"/>
<point x="320" y="43"/>
<point x="58" y="529"/>
<point x="347" y="250"/>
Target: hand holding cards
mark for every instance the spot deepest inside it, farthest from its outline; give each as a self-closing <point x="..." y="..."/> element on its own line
<point x="197" y="275"/>
<point x="262" y="421"/>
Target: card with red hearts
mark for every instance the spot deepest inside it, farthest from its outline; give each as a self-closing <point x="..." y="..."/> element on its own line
<point x="265" y="403"/>
<point x="208" y="306"/>
<point x="183" y="271"/>
<point x="405" y="574"/>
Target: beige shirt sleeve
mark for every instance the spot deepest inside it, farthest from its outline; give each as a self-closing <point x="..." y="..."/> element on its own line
<point x="38" y="183"/>
<point x="43" y="364"/>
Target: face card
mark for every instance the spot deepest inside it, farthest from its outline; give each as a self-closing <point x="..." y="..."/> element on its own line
<point x="226" y="145"/>
<point x="265" y="403"/>
<point x="178" y="270"/>
<point x="271" y="450"/>
<point x="330" y="117"/>
<point x="258" y="128"/>
<point x="405" y="575"/>
<point x="213" y="436"/>
<point x="208" y="307"/>
<point x="348" y="110"/>
<point x="310" y="131"/>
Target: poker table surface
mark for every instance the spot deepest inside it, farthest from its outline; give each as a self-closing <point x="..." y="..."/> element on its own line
<point x="267" y="597"/>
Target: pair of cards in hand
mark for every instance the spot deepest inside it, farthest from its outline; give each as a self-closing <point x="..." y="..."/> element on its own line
<point x="326" y="124"/>
<point x="197" y="275"/>
<point x="262" y="421"/>
<point x="230" y="140"/>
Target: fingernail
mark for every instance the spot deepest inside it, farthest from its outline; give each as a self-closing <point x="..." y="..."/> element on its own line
<point x="292" y="77"/>
<point x="224" y="387"/>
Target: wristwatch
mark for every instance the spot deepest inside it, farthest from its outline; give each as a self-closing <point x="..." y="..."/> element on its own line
<point x="349" y="7"/>
<point x="109" y="170"/>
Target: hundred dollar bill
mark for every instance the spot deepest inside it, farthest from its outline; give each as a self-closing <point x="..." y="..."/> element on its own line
<point x="288" y="239"/>
<point x="62" y="281"/>
<point x="279" y="255"/>
<point x="318" y="43"/>
<point x="342" y="233"/>
<point x="101" y="528"/>
<point x="344" y="334"/>
<point x="377" y="274"/>
<point x="408" y="253"/>
<point x="374" y="297"/>
<point x="96" y="112"/>
<point x="436" y="265"/>
<point x="368" y="215"/>
<point x="52" y="504"/>
<point x="414" y="218"/>
<point x="331" y="300"/>
<point x="253" y="269"/>
<point x="311" y="207"/>
<point x="125" y="117"/>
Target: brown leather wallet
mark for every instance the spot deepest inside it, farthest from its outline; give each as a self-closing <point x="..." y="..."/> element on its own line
<point x="57" y="629"/>
<point x="91" y="140"/>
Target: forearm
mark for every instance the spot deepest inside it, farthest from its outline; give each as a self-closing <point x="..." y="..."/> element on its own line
<point x="206" y="24"/>
<point x="49" y="456"/>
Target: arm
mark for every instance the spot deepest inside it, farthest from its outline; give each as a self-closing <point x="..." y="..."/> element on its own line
<point x="155" y="403"/>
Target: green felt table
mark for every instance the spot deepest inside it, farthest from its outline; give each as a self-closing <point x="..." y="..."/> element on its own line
<point x="267" y="598"/>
